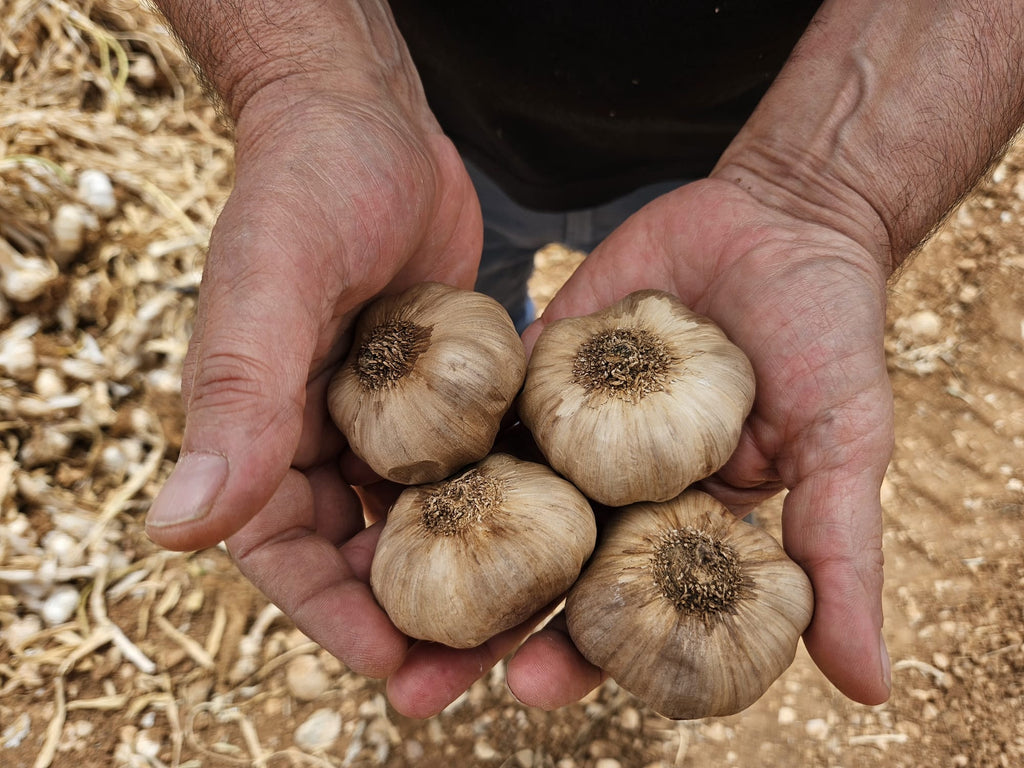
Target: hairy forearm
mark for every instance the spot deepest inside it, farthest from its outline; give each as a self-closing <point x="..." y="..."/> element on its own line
<point x="886" y="114"/>
<point x="243" y="46"/>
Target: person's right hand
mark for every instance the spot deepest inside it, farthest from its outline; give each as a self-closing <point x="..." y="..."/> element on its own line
<point x="336" y="200"/>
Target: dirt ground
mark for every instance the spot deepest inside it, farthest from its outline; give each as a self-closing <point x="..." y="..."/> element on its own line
<point x="115" y="653"/>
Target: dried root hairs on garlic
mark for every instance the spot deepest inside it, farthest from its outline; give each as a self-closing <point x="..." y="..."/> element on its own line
<point x="461" y="502"/>
<point x="390" y="352"/>
<point x="627" y="363"/>
<point x="698" y="574"/>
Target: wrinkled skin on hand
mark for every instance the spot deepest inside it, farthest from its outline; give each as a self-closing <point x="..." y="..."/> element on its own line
<point x="336" y="202"/>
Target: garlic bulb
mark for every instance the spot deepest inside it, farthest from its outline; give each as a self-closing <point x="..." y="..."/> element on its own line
<point x="24" y="278"/>
<point x="637" y="402"/>
<point x="691" y="610"/>
<point x="462" y="560"/>
<point x="431" y="373"/>
<point x="96" y="191"/>
<point x="18" y="357"/>
<point x="70" y="224"/>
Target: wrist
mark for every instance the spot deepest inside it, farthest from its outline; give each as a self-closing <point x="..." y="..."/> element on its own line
<point x="242" y="47"/>
<point x="884" y="117"/>
<point x="784" y="181"/>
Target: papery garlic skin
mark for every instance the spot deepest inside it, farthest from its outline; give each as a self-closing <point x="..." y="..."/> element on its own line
<point x="417" y="414"/>
<point x="705" y="645"/>
<point x="462" y="560"/>
<point x="96" y="191"/>
<point x="648" y="429"/>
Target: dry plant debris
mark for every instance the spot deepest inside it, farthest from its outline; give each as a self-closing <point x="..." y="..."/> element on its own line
<point x="114" y="653"/>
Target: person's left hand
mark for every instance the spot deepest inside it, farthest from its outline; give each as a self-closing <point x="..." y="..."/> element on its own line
<point x="806" y="303"/>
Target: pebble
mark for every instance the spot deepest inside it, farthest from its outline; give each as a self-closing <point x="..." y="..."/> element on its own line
<point x="68" y="228"/>
<point x="46" y="446"/>
<point x="817" y="728"/>
<point x="925" y="325"/>
<point x="48" y="384"/>
<point x="18" y="358"/>
<point x="60" y="605"/>
<point x="629" y="719"/>
<point x="717" y="731"/>
<point x="319" y="731"/>
<point x="607" y="762"/>
<point x="113" y="460"/>
<point x="143" y="71"/>
<point x="306" y="678"/>
<point x="484" y="751"/>
<point x="414" y="750"/>
<point x="25" y="278"/>
<point x="62" y="547"/>
<point x="968" y="294"/>
<point x="787" y="715"/>
<point x="147" y="745"/>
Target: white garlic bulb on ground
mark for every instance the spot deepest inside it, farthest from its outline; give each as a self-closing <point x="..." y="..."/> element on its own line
<point x="431" y="373"/>
<point x="69" y="227"/>
<point x="462" y="560"/>
<point x="638" y="401"/>
<point x="22" y="277"/>
<point x="688" y="608"/>
<point x="97" y="191"/>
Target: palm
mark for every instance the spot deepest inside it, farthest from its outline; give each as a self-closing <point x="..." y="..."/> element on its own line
<point x="807" y="306"/>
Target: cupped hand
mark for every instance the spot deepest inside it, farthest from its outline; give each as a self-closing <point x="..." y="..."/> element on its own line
<point x="336" y="200"/>
<point x="806" y="303"/>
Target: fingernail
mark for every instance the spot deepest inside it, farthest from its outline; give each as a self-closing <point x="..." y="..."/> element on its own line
<point x="190" y="491"/>
<point x="886" y="664"/>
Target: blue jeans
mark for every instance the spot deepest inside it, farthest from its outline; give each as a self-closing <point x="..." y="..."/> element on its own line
<point x="513" y="234"/>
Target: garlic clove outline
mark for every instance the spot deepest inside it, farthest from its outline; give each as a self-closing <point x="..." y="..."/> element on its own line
<point x="430" y="375"/>
<point x="459" y="561"/>
<point x="691" y="610"/>
<point x="638" y="401"/>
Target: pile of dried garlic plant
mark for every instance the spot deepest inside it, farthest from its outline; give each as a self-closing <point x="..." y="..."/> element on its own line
<point x="111" y="173"/>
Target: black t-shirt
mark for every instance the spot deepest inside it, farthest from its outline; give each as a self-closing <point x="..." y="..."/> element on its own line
<point x="568" y="104"/>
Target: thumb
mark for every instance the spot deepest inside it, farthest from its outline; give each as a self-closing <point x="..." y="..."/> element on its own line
<point x="245" y="388"/>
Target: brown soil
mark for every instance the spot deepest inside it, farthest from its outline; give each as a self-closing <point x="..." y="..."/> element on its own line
<point x="172" y="659"/>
